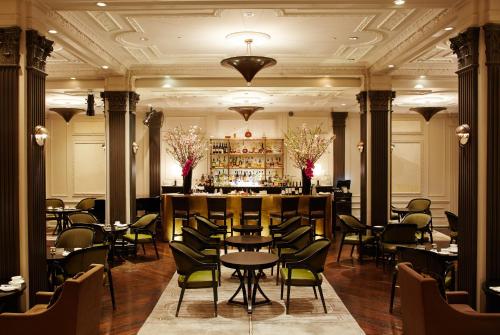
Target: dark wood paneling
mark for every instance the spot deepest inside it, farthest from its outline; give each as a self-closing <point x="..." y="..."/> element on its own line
<point x="465" y="46"/>
<point x="38" y="49"/>
<point x="154" y="156"/>
<point x="9" y="148"/>
<point x="362" y="98"/>
<point x="492" y="41"/>
<point x="380" y="112"/>
<point x="133" y="99"/>
<point x="338" y="120"/>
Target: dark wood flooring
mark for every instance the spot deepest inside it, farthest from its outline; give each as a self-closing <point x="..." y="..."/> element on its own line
<point x="364" y="289"/>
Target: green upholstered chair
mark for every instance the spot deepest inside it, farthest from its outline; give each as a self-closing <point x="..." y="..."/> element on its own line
<point x="54" y="203"/>
<point x="86" y="204"/>
<point x="143" y="231"/>
<point x="453" y="223"/>
<point x="89" y="220"/>
<point x="394" y="235"/>
<point x="82" y="218"/>
<point x="75" y="237"/>
<point x="210" y="229"/>
<point x="80" y="260"/>
<point x="195" y="270"/>
<point x="304" y="268"/>
<point x="423" y="222"/>
<point x="354" y="234"/>
<point x="285" y="227"/>
<point x="291" y="243"/>
<point x="420" y="205"/>
<point x="209" y="246"/>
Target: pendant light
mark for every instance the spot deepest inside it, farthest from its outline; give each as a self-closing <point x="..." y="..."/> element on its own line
<point x="427" y="112"/>
<point x="67" y="113"/>
<point x="246" y="111"/>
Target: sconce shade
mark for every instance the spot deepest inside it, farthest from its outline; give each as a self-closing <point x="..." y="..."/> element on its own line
<point x="248" y="66"/>
<point x="90" y="105"/>
<point x="246" y="111"/>
<point x="41" y="134"/>
<point x="67" y="113"/>
<point x="463" y="134"/>
<point x="427" y="112"/>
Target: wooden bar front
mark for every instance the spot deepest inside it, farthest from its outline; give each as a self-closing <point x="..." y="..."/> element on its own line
<point x="270" y="203"/>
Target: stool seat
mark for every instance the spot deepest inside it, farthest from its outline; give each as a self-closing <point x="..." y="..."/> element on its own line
<point x="251" y="215"/>
<point x="314" y="214"/>
<point x="287" y="214"/>
<point x="220" y="215"/>
<point x="180" y="212"/>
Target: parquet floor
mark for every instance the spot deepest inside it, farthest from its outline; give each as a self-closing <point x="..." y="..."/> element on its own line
<point x="139" y="283"/>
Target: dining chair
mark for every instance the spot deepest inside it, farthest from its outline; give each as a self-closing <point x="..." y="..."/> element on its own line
<point x="290" y="243"/>
<point x="210" y="229"/>
<point x="453" y="224"/>
<point x="181" y="211"/>
<point x="251" y="210"/>
<point x="354" y="234"/>
<point x="316" y="211"/>
<point x="75" y="237"/>
<point x="305" y="268"/>
<point x="285" y="227"/>
<point x="86" y="204"/>
<point x="54" y="203"/>
<point x="289" y="207"/>
<point x="195" y="271"/>
<point x="217" y="210"/>
<point x="423" y="222"/>
<point x="142" y="231"/>
<point x="209" y="246"/>
<point x="394" y="235"/>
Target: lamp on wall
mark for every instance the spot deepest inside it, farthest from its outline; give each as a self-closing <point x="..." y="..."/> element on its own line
<point x="463" y="134"/>
<point x="90" y="104"/>
<point x="41" y="134"/>
<point x="361" y="146"/>
<point x="135" y="147"/>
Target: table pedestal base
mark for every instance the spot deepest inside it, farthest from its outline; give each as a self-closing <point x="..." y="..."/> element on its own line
<point x="250" y="291"/>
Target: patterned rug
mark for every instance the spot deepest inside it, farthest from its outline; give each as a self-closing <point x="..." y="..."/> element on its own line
<point x="440" y="237"/>
<point x="196" y="313"/>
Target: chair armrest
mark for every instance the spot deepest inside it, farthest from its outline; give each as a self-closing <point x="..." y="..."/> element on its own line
<point x="43" y="297"/>
<point x="457" y="297"/>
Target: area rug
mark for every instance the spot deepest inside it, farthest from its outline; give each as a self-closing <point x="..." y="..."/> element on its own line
<point x="439" y="237"/>
<point x="196" y="313"/>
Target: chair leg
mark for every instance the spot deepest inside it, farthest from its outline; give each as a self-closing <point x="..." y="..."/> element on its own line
<point x="322" y="297"/>
<point x="393" y="288"/>
<point x="315" y="294"/>
<point x="215" y="299"/>
<point x="180" y="301"/>
<point x="173" y="229"/>
<point x="352" y="250"/>
<point x="341" y="246"/>
<point x="288" y="287"/>
<point x="277" y="272"/>
<point x="430" y="233"/>
<point x="111" y="288"/>
<point x="156" y="249"/>
<point x="282" y="285"/>
<point x="143" y="249"/>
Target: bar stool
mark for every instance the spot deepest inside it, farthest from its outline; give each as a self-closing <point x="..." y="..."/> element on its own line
<point x="251" y="210"/>
<point x="217" y="210"/>
<point x="316" y="211"/>
<point x="181" y="211"/>
<point x="289" y="208"/>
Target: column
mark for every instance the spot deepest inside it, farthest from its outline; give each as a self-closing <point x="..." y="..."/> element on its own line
<point x="466" y="46"/>
<point x="38" y="48"/>
<point x="338" y="119"/>
<point x="362" y="146"/>
<point x="154" y="125"/>
<point x="9" y="146"/>
<point x="133" y="99"/>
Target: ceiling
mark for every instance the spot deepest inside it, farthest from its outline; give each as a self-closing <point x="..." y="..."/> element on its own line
<point x="324" y="50"/>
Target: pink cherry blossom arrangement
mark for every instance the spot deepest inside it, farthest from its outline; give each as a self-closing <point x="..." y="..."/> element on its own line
<point x="186" y="146"/>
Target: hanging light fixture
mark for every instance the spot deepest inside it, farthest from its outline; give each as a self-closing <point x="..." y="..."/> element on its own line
<point x="67" y="113"/>
<point x="427" y="112"/>
<point x="246" y="111"/>
<point x="248" y="65"/>
<point x="90" y="104"/>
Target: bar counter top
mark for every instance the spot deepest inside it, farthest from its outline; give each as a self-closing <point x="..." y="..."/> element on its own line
<point x="270" y="203"/>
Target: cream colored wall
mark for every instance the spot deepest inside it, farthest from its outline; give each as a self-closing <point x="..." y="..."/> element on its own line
<point x="425" y="162"/>
<point x="353" y="159"/>
<point x="75" y="158"/>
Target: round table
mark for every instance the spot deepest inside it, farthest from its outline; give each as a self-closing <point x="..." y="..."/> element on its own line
<point x="61" y="215"/>
<point x="248" y="229"/>
<point x="249" y="242"/>
<point x="249" y="263"/>
<point x="9" y="300"/>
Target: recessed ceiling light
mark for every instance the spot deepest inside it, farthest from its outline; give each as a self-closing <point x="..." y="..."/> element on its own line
<point x="448" y="28"/>
<point x="52" y="31"/>
<point x="353" y="38"/>
<point x="105" y="67"/>
<point x="399" y="2"/>
<point x="423" y="76"/>
<point x="343" y="104"/>
<point x="249" y="14"/>
<point x="419" y="86"/>
<point x="390" y="66"/>
<point x="101" y="4"/>
<point x="72" y="78"/>
<point x="167" y="86"/>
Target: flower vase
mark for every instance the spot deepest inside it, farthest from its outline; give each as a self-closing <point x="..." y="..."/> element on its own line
<point x="186" y="182"/>
<point x="306" y="183"/>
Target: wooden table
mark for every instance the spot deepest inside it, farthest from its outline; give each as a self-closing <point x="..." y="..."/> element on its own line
<point x="249" y="263"/>
<point x="9" y="300"/>
<point x="270" y="203"/>
<point x="249" y="242"/>
<point x="247" y="229"/>
<point x="61" y="215"/>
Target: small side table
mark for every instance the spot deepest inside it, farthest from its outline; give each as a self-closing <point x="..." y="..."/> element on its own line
<point x="248" y="229"/>
<point x="492" y="297"/>
<point x="9" y="301"/>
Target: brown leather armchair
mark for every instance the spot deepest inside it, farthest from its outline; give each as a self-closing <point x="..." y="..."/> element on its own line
<point x="76" y="311"/>
<point x="425" y="312"/>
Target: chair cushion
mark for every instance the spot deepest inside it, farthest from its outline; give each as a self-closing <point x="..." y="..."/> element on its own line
<point x="37" y="309"/>
<point x="453" y="234"/>
<point x="286" y="214"/>
<point x="354" y="239"/>
<point x="300" y="277"/>
<point x="141" y="238"/>
<point x="220" y="215"/>
<point x="314" y="214"/>
<point x="251" y="215"/>
<point x="209" y="252"/>
<point x="199" y="279"/>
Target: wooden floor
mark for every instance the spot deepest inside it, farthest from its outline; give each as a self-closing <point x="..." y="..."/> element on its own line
<point x="139" y="283"/>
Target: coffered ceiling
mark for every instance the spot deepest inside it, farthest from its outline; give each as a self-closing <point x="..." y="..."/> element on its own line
<point x="172" y="40"/>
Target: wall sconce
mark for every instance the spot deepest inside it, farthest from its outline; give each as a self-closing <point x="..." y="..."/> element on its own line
<point x="361" y="146"/>
<point x="463" y="134"/>
<point x="393" y="146"/>
<point x="41" y="134"/>
<point x="135" y="148"/>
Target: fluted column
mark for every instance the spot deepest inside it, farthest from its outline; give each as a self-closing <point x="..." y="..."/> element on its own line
<point x="338" y="120"/>
<point x="362" y="98"/>
<point x="155" y="125"/>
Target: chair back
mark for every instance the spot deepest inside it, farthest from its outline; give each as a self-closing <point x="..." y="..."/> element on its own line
<point x="186" y="258"/>
<point x="75" y="237"/>
<point x="298" y="238"/>
<point x="54" y="203"/>
<point x="82" y="218"/>
<point x="216" y="204"/>
<point x="420" y="205"/>
<point x="403" y="233"/>
<point x="147" y="221"/>
<point x="86" y="204"/>
<point x="289" y="204"/>
<point x="99" y="210"/>
<point x="205" y="226"/>
<point x="180" y="203"/>
<point x="350" y="224"/>
<point x="100" y="235"/>
<point x="251" y="204"/>
<point x="148" y="205"/>
<point x="194" y="238"/>
<point x="314" y="255"/>
<point x="452" y="220"/>
<point x="422" y="220"/>
<point x="80" y="260"/>
<point x="288" y="225"/>
<point x="317" y="203"/>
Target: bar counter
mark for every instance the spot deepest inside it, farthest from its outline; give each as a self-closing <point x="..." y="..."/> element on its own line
<point x="270" y="203"/>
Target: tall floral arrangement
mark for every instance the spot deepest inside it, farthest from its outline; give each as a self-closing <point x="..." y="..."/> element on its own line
<point x="305" y="146"/>
<point x="186" y="146"/>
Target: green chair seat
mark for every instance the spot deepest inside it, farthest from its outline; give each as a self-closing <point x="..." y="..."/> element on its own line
<point x="354" y="239"/>
<point x="199" y="279"/>
<point x="284" y="251"/>
<point x="140" y="238"/>
<point x="300" y="277"/>
<point x="209" y="252"/>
